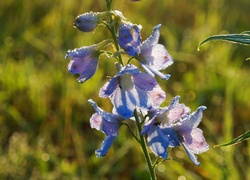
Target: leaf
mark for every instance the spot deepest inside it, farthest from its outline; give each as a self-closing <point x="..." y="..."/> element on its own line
<point x="246" y="32"/>
<point x="243" y="38"/>
<point x="237" y="140"/>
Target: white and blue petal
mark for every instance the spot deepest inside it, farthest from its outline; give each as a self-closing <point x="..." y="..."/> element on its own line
<point x="109" y="87"/>
<point x="192" y="121"/>
<point x="131" y="89"/>
<point x="154" y="56"/>
<point x="158" y="142"/>
<point x="152" y="39"/>
<point x="171" y="135"/>
<point x="126" y="101"/>
<point x="106" y="122"/>
<point x="153" y="72"/>
<point x="129" y="38"/>
<point x="191" y="155"/>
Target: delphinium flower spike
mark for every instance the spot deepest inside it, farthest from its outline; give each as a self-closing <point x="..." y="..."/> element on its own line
<point x="131" y="91"/>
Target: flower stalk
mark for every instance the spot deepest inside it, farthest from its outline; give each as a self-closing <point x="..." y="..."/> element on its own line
<point x="144" y="148"/>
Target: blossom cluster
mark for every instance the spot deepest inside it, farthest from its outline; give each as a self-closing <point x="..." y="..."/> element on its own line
<point x="135" y="88"/>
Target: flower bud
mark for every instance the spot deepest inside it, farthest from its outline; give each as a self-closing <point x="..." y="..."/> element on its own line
<point x="87" y="22"/>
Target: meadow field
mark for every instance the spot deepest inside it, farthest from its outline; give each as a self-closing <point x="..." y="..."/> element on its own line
<point x="44" y="114"/>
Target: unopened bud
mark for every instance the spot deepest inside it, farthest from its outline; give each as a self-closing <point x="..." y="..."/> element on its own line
<point x="87" y="22"/>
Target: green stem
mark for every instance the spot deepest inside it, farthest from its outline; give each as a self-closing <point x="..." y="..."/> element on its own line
<point x="108" y="3"/>
<point x="144" y="148"/>
<point x="113" y="29"/>
<point x="133" y="134"/>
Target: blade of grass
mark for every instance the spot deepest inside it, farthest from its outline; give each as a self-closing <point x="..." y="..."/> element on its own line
<point x="243" y="38"/>
<point x="237" y="140"/>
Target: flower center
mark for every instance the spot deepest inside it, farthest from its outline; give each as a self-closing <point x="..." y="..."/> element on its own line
<point x="126" y="82"/>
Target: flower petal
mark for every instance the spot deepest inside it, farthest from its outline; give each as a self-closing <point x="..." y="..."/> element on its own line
<point x="130" y="69"/>
<point x="195" y="141"/>
<point x="113" y="118"/>
<point x="148" y="125"/>
<point x="196" y="116"/>
<point x="171" y="135"/>
<point x="157" y="95"/>
<point x="193" y="120"/>
<point x="85" y="66"/>
<point x="158" y="143"/>
<point x="126" y="101"/>
<point x="159" y="57"/>
<point x="96" y="121"/>
<point x="129" y="38"/>
<point x="144" y="81"/>
<point x="109" y="87"/>
<point x="177" y="112"/>
<point x="191" y="154"/>
<point x="153" y="71"/>
<point x="152" y="39"/>
<point x="108" y="141"/>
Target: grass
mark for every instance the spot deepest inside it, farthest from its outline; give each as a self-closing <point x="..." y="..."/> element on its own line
<point x="44" y="117"/>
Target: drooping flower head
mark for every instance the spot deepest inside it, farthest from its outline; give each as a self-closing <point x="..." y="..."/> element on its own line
<point x="175" y="125"/>
<point x="154" y="56"/>
<point x="85" y="60"/>
<point x="108" y="123"/>
<point x="129" y="38"/>
<point x="130" y="89"/>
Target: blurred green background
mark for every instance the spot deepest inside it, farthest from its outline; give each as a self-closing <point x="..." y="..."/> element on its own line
<point x="44" y="114"/>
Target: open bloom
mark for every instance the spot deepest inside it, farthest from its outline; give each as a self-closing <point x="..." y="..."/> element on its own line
<point x="129" y="38"/>
<point x="175" y="125"/>
<point x="85" y="60"/>
<point x="107" y="123"/>
<point x="154" y="56"/>
<point x="130" y="89"/>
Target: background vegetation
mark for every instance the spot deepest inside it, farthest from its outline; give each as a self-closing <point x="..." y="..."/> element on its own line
<point x="44" y="117"/>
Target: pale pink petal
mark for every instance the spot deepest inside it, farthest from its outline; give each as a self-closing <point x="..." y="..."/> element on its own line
<point x="195" y="141"/>
<point x="177" y="112"/>
<point x="96" y="121"/>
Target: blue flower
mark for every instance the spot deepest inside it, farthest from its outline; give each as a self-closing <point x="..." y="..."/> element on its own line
<point x="87" y="22"/>
<point x="130" y="89"/>
<point x="153" y="56"/>
<point x="85" y="60"/>
<point x="174" y="125"/>
<point x="107" y="123"/>
<point x="129" y="38"/>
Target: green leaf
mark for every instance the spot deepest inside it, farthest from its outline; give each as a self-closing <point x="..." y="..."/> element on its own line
<point x="243" y="38"/>
<point x="237" y="140"/>
<point x="246" y="32"/>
